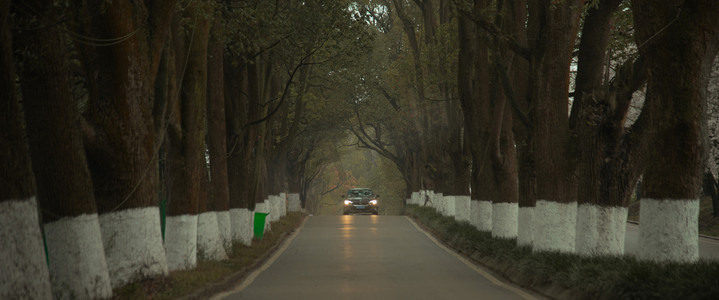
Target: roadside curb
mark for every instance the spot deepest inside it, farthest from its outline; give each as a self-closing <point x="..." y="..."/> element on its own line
<point x="238" y="277"/>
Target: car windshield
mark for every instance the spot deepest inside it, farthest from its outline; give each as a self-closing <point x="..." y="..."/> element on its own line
<point x="359" y="193"/>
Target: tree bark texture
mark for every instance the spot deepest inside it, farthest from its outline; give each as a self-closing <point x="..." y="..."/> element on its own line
<point x="186" y="139"/>
<point x="552" y="31"/>
<point x="678" y="42"/>
<point x="120" y="141"/>
<point x="216" y="137"/>
<point x="25" y="273"/>
<point x="53" y="121"/>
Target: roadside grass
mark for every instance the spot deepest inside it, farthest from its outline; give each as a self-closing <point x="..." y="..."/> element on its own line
<point x="207" y="274"/>
<point x="570" y="276"/>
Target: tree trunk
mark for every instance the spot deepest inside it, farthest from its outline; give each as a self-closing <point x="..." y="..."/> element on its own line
<point x="186" y="149"/>
<point x="552" y="31"/>
<point x="72" y="229"/>
<point x="677" y="40"/>
<point x="213" y="221"/>
<point x="600" y="221"/>
<point x="504" y="166"/>
<point x="119" y="138"/>
<point x="217" y="132"/>
<point x="238" y="162"/>
<point x="25" y="272"/>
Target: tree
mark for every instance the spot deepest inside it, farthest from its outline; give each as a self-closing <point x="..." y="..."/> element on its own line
<point x="25" y="272"/>
<point x="121" y="57"/>
<point x="65" y="192"/>
<point x="552" y="29"/>
<point x="216" y="132"/>
<point x="609" y="147"/>
<point x="678" y="40"/>
<point x="187" y="169"/>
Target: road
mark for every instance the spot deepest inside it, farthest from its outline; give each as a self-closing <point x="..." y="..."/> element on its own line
<point x="369" y="257"/>
<point x="708" y="248"/>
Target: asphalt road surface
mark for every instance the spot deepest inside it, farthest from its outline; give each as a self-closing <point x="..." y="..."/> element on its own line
<point x="708" y="247"/>
<point x="369" y="257"/>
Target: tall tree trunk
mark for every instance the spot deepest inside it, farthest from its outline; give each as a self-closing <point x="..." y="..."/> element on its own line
<point x="677" y="40"/>
<point x="600" y="224"/>
<point x="553" y="29"/>
<point x="22" y="258"/>
<point x="119" y="138"/>
<point x="474" y="93"/>
<point x="238" y="162"/>
<point x="525" y="162"/>
<point x="213" y="240"/>
<point x="217" y="132"/>
<point x="72" y="229"/>
<point x="504" y="166"/>
<point x="186" y="146"/>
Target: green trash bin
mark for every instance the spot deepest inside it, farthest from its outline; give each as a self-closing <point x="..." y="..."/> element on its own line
<point x="260" y="224"/>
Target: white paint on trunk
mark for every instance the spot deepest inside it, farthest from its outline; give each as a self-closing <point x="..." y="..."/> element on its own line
<point x="484" y="215"/>
<point x="23" y="270"/>
<point x="294" y="202"/>
<point x="600" y="229"/>
<point x="272" y="202"/>
<point x="241" y="219"/>
<point x="181" y="242"/>
<point x="441" y="206"/>
<point x="555" y="226"/>
<point x="78" y="269"/>
<point x="525" y="226"/>
<point x="283" y="204"/>
<point x="209" y="239"/>
<point x="669" y="230"/>
<point x="504" y="220"/>
<point x="449" y="206"/>
<point x="224" y="225"/>
<point x="462" y="208"/>
<point x="415" y="198"/>
<point x="133" y="244"/>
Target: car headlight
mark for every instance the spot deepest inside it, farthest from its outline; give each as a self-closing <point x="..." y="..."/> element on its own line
<point x="347" y="202"/>
<point x="373" y="202"/>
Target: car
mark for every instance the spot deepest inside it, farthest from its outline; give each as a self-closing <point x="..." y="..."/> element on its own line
<point x="360" y="200"/>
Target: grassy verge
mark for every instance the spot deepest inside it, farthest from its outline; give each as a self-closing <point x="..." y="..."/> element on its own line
<point x="568" y="276"/>
<point x="209" y="275"/>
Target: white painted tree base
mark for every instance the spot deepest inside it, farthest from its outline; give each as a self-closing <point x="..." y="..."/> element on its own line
<point x="415" y="199"/>
<point x="450" y="208"/>
<point x="555" y="226"/>
<point x="439" y="203"/>
<point x="294" y="203"/>
<point x="133" y="245"/>
<point x="23" y="269"/>
<point x="224" y="225"/>
<point x="209" y="240"/>
<point x="483" y="215"/>
<point x="241" y="219"/>
<point x="78" y="269"/>
<point x="181" y="242"/>
<point x="669" y="230"/>
<point x="525" y="226"/>
<point x="462" y="208"/>
<point x="600" y="230"/>
<point x="283" y="204"/>
<point x="504" y="220"/>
